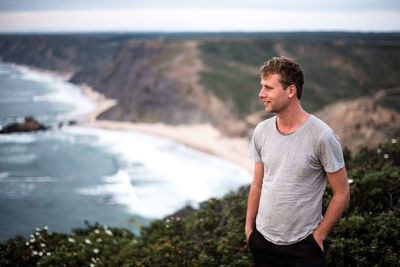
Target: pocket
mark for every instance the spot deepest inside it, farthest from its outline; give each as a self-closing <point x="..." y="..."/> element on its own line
<point x="250" y="235"/>
<point x="249" y="243"/>
<point x="316" y="244"/>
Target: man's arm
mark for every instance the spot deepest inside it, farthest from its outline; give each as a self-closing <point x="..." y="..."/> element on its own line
<point x="341" y="196"/>
<point x="254" y="197"/>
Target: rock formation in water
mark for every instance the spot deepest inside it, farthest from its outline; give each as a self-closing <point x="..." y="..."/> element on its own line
<point x="30" y="124"/>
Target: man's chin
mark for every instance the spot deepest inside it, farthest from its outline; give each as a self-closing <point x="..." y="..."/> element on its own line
<point x="269" y="111"/>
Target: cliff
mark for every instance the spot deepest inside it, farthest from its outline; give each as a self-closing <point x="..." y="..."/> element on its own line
<point x="153" y="79"/>
<point x="211" y="78"/>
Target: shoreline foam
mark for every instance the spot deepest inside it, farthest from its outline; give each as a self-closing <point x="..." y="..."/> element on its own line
<point x="203" y="137"/>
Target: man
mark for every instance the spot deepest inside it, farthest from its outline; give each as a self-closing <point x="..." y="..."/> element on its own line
<point x="295" y="154"/>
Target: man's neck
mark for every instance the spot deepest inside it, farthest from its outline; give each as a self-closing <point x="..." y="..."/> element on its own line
<point x="290" y="119"/>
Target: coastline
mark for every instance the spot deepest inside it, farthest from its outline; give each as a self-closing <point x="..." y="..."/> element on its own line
<point x="203" y="137"/>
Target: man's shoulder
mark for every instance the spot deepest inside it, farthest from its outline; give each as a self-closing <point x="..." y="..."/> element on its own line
<point x="319" y="126"/>
<point x="320" y="131"/>
<point x="267" y="122"/>
<point x="265" y="125"/>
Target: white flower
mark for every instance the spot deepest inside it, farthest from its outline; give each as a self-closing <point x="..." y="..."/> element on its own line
<point x="34" y="252"/>
<point x="105" y="227"/>
<point x="350" y="181"/>
<point x="99" y="240"/>
<point x="32" y="240"/>
<point x="394" y="141"/>
<point x="37" y="229"/>
<point x="93" y="259"/>
<point x="167" y="226"/>
<point x="386" y="156"/>
<point x="48" y="253"/>
<point x="37" y="233"/>
<point x="87" y="241"/>
<point x="40" y="254"/>
<point x="378" y="151"/>
<point x="167" y="220"/>
<point x="27" y="243"/>
<point x="178" y="219"/>
<point x="31" y="236"/>
<point x="71" y="240"/>
<point x="134" y="241"/>
<point x="92" y="265"/>
<point x="46" y="228"/>
<point x="43" y="245"/>
<point x="96" y="250"/>
<point x="108" y="232"/>
<point x="96" y="231"/>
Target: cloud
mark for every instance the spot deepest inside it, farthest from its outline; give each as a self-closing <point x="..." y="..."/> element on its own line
<point x="199" y="19"/>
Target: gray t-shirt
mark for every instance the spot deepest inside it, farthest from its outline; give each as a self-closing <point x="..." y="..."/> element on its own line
<point x="294" y="180"/>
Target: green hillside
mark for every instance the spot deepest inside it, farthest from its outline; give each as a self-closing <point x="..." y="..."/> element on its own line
<point x="336" y="66"/>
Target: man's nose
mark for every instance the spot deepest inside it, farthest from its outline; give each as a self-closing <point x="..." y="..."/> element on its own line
<point x="262" y="93"/>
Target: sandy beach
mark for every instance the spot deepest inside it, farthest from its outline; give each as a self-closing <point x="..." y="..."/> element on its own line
<point x="202" y="137"/>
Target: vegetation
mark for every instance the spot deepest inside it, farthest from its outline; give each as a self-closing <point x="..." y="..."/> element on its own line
<point x="335" y="65"/>
<point x="367" y="235"/>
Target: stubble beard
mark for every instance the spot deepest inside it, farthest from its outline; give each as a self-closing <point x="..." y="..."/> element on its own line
<point x="275" y="110"/>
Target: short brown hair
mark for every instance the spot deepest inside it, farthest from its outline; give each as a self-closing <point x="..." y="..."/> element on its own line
<point x="289" y="71"/>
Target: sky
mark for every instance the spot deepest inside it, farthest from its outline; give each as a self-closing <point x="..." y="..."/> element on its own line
<point x="199" y="15"/>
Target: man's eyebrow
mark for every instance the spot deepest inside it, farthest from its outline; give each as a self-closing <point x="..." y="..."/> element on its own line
<point x="266" y="85"/>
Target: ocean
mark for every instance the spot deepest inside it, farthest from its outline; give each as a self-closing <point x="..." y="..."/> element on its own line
<point x="66" y="175"/>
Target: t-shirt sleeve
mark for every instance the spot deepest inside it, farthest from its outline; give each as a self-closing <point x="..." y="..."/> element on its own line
<point x="330" y="152"/>
<point x="254" y="148"/>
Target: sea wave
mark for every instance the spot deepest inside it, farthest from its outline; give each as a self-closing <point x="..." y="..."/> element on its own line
<point x="17" y="190"/>
<point x="59" y="91"/>
<point x="4" y="175"/>
<point x="19" y="159"/>
<point x="4" y="70"/>
<point x="19" y="99"/>
<point x="169" y="176"/>
<point x="20" y="138"/>
<point x="116" y="190"/>
<point x="17" y="138"/>
<point x="16" y="179"/>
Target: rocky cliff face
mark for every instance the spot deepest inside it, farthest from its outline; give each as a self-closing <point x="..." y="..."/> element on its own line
<point x="137" y="76"/>
<point x="153" y="80"/>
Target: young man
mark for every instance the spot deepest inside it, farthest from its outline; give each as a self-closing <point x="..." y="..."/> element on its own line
<point x="295" y="154"/>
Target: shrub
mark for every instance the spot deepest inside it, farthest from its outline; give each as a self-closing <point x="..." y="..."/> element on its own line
<point x="365" y="240"/>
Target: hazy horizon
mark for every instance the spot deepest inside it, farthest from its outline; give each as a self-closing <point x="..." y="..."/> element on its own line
<point x="23" y="16"/>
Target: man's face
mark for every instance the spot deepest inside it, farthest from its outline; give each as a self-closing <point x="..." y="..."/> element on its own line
<point x="275" y="98"/>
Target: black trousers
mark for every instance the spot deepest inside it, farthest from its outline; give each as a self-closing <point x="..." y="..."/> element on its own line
<point x="304" y="253"/>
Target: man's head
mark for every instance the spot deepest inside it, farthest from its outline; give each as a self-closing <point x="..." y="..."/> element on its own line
<point x="289" y="71"/>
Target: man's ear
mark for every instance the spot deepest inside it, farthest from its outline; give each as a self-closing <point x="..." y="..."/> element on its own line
<point x="292" y="90"/>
